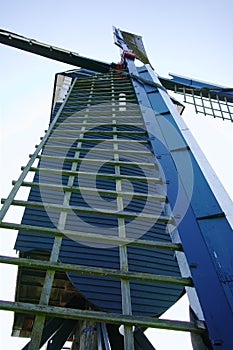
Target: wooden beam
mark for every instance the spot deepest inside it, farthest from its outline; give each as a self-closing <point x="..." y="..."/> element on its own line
<point x="84" y="236"/>
<point x="97" y="316"/>
<point x="96" y="271"/>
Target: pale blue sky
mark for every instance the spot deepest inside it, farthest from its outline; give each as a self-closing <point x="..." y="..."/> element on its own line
<point x="189" y="38"/>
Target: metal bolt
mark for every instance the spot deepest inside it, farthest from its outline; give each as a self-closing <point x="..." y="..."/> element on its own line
<point x="217" y="342"/>
<point x="193" y="265"/>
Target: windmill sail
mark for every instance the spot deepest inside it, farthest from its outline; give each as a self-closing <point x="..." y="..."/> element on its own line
<point x="134" y="43"/>
<point x="52" y="52"/>
<point x="207" y="99"/>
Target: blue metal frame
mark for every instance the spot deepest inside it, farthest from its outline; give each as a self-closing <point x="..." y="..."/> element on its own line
<point x="205" y="232"/>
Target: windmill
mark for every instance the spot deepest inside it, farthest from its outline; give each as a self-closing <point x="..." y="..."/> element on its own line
<point x="117" y="164"/>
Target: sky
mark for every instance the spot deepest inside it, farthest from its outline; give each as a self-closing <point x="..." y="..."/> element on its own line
<point x="192" y="39"/>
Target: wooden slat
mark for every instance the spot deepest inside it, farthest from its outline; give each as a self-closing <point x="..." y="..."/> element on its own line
<point x="113" y="318"/>
<point x="96" y="271"/>
<point x="92" y="236"/>
<point x="157" y="197"/>
<point x="82" y="209"/>
<point x="100" y="175"/>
